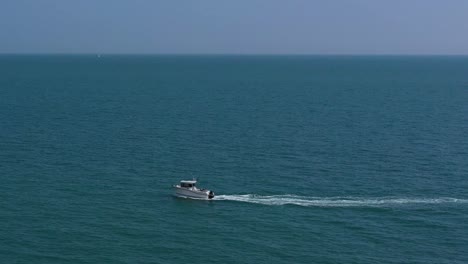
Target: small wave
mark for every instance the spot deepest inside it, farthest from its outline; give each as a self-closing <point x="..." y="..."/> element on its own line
<point x="335" y="201"/>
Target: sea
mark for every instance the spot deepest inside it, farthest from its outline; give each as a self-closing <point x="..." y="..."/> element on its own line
<point x="313" y="159"/>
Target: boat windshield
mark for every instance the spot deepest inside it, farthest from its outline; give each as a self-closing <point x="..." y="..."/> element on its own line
<point x="186" y="185"/>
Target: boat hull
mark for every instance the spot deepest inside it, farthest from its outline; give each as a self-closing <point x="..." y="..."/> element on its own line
<point x="193" y="194"/>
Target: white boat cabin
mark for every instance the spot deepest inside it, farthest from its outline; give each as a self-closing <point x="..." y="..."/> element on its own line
<point x="187" y="184"/>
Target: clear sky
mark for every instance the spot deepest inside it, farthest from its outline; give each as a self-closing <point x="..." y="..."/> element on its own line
<point x="235" y="26"/>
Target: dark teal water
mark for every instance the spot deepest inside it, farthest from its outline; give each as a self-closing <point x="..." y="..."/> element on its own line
<point x="314" y="159"/>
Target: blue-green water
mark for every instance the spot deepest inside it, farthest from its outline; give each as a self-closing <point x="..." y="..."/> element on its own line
<point x="314" y="159"/>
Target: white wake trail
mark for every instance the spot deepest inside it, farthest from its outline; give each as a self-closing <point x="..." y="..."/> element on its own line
<point x="337" y="201"/>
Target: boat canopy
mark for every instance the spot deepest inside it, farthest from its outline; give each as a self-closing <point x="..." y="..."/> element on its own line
<point x="189" y="182"/>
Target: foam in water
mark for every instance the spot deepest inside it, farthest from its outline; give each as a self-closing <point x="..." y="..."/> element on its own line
<point x="335" y="201"/>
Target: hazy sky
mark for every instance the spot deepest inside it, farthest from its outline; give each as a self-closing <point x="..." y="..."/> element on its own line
<point x="235" y="26"/>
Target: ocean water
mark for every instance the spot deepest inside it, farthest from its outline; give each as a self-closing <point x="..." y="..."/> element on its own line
<point x="314" y="159"/>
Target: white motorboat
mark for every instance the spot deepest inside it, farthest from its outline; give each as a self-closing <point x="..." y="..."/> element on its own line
<point x="188" y="189"/>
